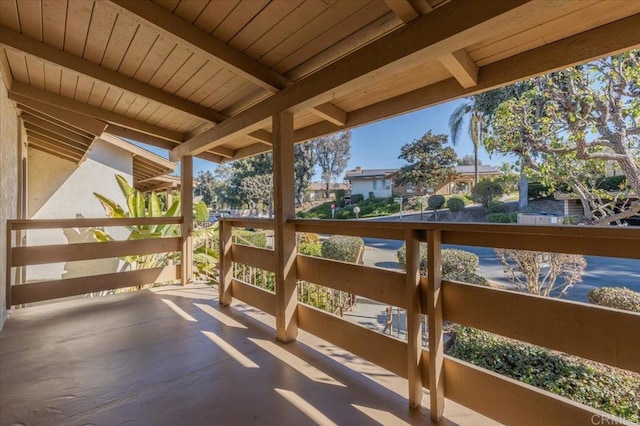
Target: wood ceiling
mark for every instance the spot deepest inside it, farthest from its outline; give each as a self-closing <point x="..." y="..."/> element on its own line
<point x="204" y="77"/>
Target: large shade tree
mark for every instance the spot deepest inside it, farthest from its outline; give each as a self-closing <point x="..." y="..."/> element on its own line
<point x="429" y="162"/>
<point x="570" y="125"/>
<point x="332" y="155"/>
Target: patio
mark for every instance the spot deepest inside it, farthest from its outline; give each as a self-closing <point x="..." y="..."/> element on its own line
<point x="173" y="356"/>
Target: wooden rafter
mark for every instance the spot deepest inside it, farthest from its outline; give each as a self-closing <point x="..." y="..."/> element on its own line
<point x="462" y="67"/>
<point x="331" y="113"/>
<point x="403" y="9"/>
<point x="81" y="66"/>
<point x="61" y="118"/>
<point x="445" y="29"/>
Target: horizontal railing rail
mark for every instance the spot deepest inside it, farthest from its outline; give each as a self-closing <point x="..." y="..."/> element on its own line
<point x="588" y="331"/>
<point x="23" y="256"/>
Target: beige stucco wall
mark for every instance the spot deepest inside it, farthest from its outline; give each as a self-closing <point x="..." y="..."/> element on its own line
<point x="61" y="189"/>
<point x="9" y="160"/>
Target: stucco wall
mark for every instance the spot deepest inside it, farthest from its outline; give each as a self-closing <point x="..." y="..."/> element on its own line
<point x="365" y="186"/>
<point x="60" y="189"/>
<point x="9" y="160"/>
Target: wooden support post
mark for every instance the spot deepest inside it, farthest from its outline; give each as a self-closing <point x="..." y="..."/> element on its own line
<point x="414" y="323"/>
<point x="284" y="233"/>
<point x="186" y="205"/>
<point x="225" y="263"/>
<point x="434" y="313"/>
<point x="9" y="267"/>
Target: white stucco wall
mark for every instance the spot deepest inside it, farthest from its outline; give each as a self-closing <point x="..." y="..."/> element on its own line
<point x="363" y="187"/>
<point x="61" y="189"/>
<point x="9" y="160"/>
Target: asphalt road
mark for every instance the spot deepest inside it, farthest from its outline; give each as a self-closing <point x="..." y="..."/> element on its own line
<point x="600" y="271"/>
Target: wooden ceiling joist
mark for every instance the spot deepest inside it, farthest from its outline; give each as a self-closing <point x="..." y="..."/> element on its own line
<point x="81" y="144"/>
<point x="403" y="9"/>
<point x="53" y="145"/>
<point x="54" y="128"/>
<point x="331" y="113"/>
<point x="445" y="29"/>
<point x="73" y="122"/>
<point x="262" y="136"/>
<point x="34" y="48"/>
<point x="171" y="26"/>
<point x="616" y="37"/>
<point x="462" y="67"/>
<point x="35" y="97"/>
<point x="72" y="158"/>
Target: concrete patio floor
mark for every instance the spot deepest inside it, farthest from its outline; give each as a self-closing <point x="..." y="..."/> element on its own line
<point x="172" y="356"/>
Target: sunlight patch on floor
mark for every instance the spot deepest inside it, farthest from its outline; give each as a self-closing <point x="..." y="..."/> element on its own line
<point x="179" y="310"/>
<point x="226" y="320"/>
<point x="309" y="410"/>
<point x="230" y="350"/>
<point x="380" y="416"/>
<point x="296" y="363"/>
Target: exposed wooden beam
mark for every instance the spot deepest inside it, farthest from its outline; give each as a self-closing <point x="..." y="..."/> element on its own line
<point x="72" y="158"/>
<point x="616" y="37"/>
<point x="77" y="123"/>
<point x="403" y="9"/>
<point x="250" y="150"/>
<point x="80" y="143"/>
<point x="43" y="141"/>
<point x="44" y="101"/>
<point x="262" y="136"/>
<point x="59" y="130"/>
<point x="462" y="67"/>
<point x="331" y="113"/>
<point x="78" y="65"/>
<point x="137" y="151"/>
<point x="171" y="26"/>
<point x="445" y="29"/>
<point x="158" y="187"/>
<point x="186" y="227"/>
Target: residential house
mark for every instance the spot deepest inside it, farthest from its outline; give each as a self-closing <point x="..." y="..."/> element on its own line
<point x="378" y="182"/>
<point x="317" y="191"/>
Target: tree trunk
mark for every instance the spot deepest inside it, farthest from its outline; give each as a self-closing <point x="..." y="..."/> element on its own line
<point x="475" y="163"/>
<point x="523" y="190"/>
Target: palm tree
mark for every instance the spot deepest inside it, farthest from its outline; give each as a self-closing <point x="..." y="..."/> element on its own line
<point x="477" y="126"/>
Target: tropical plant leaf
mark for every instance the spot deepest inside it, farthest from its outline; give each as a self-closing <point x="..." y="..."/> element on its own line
<point x="112" y="208"/>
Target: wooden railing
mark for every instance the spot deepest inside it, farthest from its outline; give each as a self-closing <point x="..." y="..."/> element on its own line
<point x="592" y="332"/>
<point x="36" y="255"/>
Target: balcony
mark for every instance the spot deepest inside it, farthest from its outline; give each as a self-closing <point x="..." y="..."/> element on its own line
<point x="188" y="354"/>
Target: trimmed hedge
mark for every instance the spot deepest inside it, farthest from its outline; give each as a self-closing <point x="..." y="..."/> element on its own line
<point x="201" y="212"/>
<point x="615" y="391"/>
<point x="344" y="249"/>
<point x="307" y="237"/>
<point x="455" y="204"/>
<point x="615" y="297"/>
<point x="436" y="201"/>
<point x="457" y="265"/>
<point x="310" y="249"/>
<point x="356" y="198"/>
<point x="485" y="192"/>
<point x="497" y="207"/>
<point x="502" y="218"/>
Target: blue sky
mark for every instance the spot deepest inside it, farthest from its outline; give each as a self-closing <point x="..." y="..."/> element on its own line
<point x="377" y="145"/>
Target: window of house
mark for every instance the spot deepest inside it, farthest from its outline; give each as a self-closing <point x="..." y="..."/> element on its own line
<point x="375" y="184"/>
<point x="387" y="184"/>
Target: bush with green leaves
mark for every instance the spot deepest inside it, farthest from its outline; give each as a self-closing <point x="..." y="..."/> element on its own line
<point x="436" y="201"/>
<point x="309" y="248"/>
<point x="340" y="197"/>
<point x="307" y="237"/>
<point x="497" y="207"/>
<point x="356" y="198"/>
<point x="611" y="390"/>
<point x="612" y="183"/>
<point x="615" y="297"/>
<point x="502" y="218"/>
<point x="485" y="191"/>
<point x="249" y="238"/>
<point x="455" y="204"/>
<point x="537" y="190"/>
<point x="344" y="249"/>
<point x="201" y="212"/>
<point x="457" y="265"/>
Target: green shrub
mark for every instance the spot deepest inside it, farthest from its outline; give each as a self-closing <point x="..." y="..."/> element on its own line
<point x="612" y="183"/>
<point x="613" y="391"/>
<point x="502" y="218"/>
<point x="307" y="237"/>
<point x="356" y="198"/>
<point x="497" y="207"/>
<point x="436" y="201"/>
<point x="250" y="238"/>
<point x="485" y="192"/>
<point x="310" y="249"/>
<point x="457" y="265"/>
<point x="345" y="249"/>
<point x="537" y="190"/>
<point x="615" y="297"/>
<point x="340" y="197"/>
<point x="455" y="204"/>
<point x="372" y="195"/>
<point x="201" y="212"/>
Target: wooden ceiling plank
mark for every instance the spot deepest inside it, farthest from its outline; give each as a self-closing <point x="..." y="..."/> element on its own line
<point x="170" y="25"/>
<point x="111" y="98"/>
<point x="89" y="69"/>
<point x="403" y="9"/>
<point x="36" y="71"/>
<point x="331" y="113"/>
<point x="462" y="67"/>
<point x="98" y="93"/>
<point x="38" y="132"/>
<point x="190" y="10"/>
<point x="213" y="14"/>
<point x="83" y="89"/>
<point x="54" y="19"/>
<point x="184" y="73"/>
<point x="78" y="17"/>
<point x="138" y="50"/>
<point x="52" y="78"/>
<point x="58" y="130"/>
<point x="18" y="65"/>
<point x="119" y="43"/>
<point x="103" y="20"/>
<point x="274" y="12"/>
<point x="443" y="30"/>
<point x="31" y="18"/>
<point x="22" y="92"/>
<point x="58" y="123"/>
<point x="68" y="83"/>
<point x="53" y="144"/>
<point x="588" y="46"/>
<point x="9" y="15"/>
<point x="243" y="13"/>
